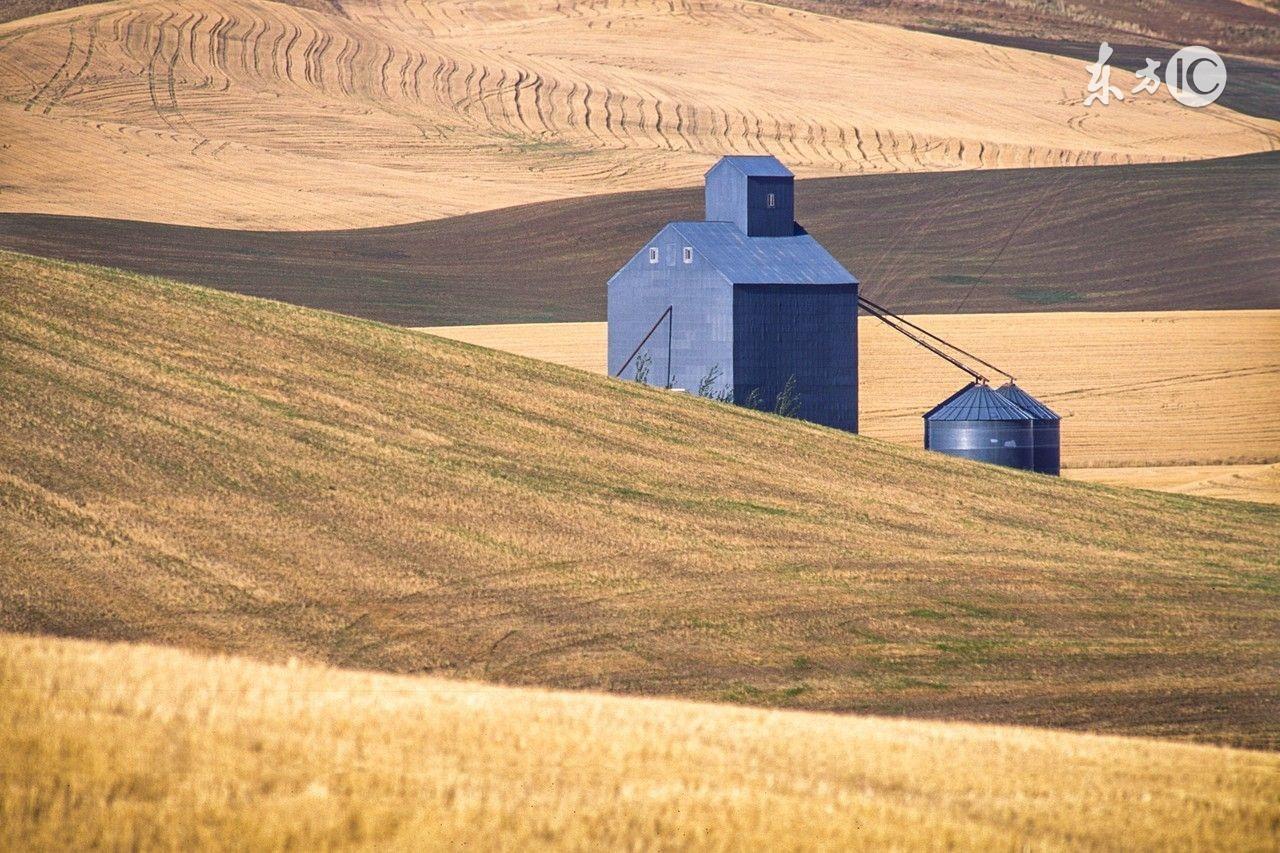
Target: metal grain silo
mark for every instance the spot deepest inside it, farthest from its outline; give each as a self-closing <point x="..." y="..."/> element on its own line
<point x="1046" y="432"/>
<point x="977" y="423"/>
<point x="744" y="305"/>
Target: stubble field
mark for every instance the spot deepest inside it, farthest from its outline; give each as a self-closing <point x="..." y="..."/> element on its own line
<point x="247" y="113"/>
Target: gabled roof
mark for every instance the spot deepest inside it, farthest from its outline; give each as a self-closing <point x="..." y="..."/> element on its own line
<point x="1027" y="403"/>
<point x="755" y="166"/>
<point x="976" y="402"/>
<point x="799" y="259"/>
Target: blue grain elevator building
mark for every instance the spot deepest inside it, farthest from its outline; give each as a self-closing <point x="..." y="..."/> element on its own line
<point x="741" y="305"/>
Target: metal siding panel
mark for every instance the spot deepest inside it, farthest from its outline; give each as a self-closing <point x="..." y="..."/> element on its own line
<point x="808" y="332"/>
<point x="701" y="331"/>
<point x="637" y="296"/>
<point x="703" y="326"/>
<point x="726" y="197"/>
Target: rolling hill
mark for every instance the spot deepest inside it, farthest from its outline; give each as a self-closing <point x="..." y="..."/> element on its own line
<point x="1119" y="238"/>
<point x="122" y="747"/>
<point x="184" y="466"/>
<point x="256" y="114"/>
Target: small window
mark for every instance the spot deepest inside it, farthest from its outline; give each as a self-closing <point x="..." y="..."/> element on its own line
<point x="771" y="201"/>
<point x="688" y="254"/>
<point x="653" y="255"/>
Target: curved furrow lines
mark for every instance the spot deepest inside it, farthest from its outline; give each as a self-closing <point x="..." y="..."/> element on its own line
<point x="249" y="66"/>
<point x="543" y="125"/>
<point x="201" y="17"/>
<point x="293" y="34"/>
<point x="170" y="99"/>
<point x="416" y="84"/>
<point x="403" y="82"/>
<point x="481" y="96"/>
<point x="79" y="72"/>
<point x="57" y="72"/>
<point x="151" y="73"/>
<point x="586" y="112"/>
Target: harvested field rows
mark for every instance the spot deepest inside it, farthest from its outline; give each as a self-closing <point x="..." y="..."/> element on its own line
<point x="1135" y="389"/>
<point x="253" y="113"/>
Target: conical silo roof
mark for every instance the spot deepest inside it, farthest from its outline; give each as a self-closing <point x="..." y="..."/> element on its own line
<point x="977" y="402"/>
<point x="1039" y="411"/>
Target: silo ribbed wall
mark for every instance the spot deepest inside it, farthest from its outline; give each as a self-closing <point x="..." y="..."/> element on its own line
<point x="1046" y="428"/>
<point x="1007" y="443"/>
<point x="1048" y="452"/>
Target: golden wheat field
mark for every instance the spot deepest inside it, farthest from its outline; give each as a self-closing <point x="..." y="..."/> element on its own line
<point x="249" y="113"/>
<point x="129" y="747"/>
<point x="1135" y="389"/>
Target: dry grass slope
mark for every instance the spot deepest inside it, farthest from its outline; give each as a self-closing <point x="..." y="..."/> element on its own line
<point x="1203" y="406"/>
<point x="189" y="467"/>
<point x="247" y="113"/>
<point x="112" y="746"/>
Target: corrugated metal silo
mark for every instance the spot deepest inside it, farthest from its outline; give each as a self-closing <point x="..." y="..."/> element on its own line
<point x="977" y="423"/>
<point x="1046" y="428"/>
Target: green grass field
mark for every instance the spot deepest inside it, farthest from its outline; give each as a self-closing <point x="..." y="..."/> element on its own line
<point x="183" y="466"/>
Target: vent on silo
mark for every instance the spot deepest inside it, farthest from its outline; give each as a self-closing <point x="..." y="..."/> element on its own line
<point x="977" y="423"/>
<point x="1045" y="429"/>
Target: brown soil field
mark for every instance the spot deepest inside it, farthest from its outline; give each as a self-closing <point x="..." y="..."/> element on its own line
<point x="1259" y="483"/>
<point x="184" y="466"/>
<point x="255" y="114"/>
<point x="1117" y="238"/>
<point x="1210" y="402"/>
<point x="126" y="747"/>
